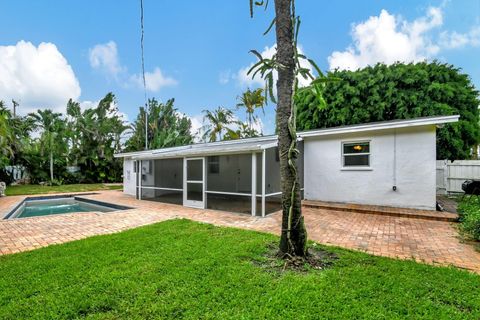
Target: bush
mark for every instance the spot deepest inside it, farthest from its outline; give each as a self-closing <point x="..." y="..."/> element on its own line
<point x="6" y="177"/>
<point x="469" y="212"/>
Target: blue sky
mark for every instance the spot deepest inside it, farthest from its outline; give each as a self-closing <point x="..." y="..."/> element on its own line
<point x="195" y="51"/>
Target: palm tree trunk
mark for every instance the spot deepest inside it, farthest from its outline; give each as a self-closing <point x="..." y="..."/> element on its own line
<point x="51" y="166"/>
<point x="294" y="236"/>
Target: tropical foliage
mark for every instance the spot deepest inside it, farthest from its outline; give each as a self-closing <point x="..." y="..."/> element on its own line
<point x="217" y="123"/>
<point x="469" y="216"/>
<point x="251" y="100"/>
<point x="398" y="91"/>
<point x="47" y="143"/>
<point x="166" y="127"/>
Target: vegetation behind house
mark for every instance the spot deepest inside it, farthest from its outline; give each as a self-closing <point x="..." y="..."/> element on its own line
<point x="398" y="91"/>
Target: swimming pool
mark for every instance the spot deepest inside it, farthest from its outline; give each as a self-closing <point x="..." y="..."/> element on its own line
<point x="51" y="205"/>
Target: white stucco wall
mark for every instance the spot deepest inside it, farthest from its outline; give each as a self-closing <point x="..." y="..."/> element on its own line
<point x="129" y="177"/>
<point x="326" y="180"/>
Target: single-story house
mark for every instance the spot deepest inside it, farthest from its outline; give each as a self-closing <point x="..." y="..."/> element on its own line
<point x="390" y="163"/>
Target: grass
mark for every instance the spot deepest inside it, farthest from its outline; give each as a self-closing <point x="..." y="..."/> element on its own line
<point x="184" y="269"/>
<point x="38" y="189"/>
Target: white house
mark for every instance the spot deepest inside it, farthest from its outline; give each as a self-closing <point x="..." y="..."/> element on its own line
<point x="389" y="163"/>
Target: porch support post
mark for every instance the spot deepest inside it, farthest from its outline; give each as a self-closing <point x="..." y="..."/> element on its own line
<point x="263" y="181"/>
<point x="254" y="183"/>
<point x="139" y="172"/>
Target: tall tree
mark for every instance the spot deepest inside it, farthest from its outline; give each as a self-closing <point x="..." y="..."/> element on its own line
<point x="286" y="62"/>
<point x="166" y="127"/>
<point x="251" y="100"/>
<point x="52" y="128"/>
<point x="217" y="122"/>
<point x="6" y="136"/>
<point x="398" y="91"/>
<point x="101" y="128"/>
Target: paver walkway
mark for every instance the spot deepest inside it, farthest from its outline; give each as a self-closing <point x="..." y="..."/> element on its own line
<point x="434" y="242"/>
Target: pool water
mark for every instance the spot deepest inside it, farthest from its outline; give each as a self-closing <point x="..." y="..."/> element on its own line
<point x="49" y="206"/>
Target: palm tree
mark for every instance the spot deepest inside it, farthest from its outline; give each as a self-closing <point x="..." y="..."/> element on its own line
<point x="6" y="135"/>
<point x="251" y="100"/>
<point x="166" y="127"/>
<point x="216" y="122"/>
<point x="286" y="63"/>
<point x="52" y="126"/>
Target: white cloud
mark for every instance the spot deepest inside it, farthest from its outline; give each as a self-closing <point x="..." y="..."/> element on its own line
<point x="454" y="40"/>
<point x="225" y="76"/>
<point x="154" y="81"/>
<point x="105" y="57"/>
<point x="387" y="38"/>
<point x="246" y="80"/>
<point x="197" y="126"/>
<point x="36" y="77"/>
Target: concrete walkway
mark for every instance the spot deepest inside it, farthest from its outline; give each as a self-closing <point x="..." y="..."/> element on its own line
<point x="433" y="242"/>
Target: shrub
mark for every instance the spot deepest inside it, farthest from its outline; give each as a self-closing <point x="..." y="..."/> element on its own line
<point x="469" y="212"/>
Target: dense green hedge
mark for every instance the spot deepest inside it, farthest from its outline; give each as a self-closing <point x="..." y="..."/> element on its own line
<point x="469" y="211"/>
<point x="398" y="91"/>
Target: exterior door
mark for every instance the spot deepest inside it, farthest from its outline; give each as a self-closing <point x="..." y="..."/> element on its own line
<point x="194" y="182"/>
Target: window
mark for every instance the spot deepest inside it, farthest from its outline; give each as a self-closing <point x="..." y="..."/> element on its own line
<point x="135" y="166"/>
<point x="214" y="164"/>
<point x="356" y="154"/>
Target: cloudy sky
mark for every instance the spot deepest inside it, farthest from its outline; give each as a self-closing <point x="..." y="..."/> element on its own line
<point x="197" y="51"/>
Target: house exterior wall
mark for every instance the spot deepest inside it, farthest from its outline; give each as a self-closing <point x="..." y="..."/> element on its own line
<point x="327" y="180"/>
<point x="129" y="177"/>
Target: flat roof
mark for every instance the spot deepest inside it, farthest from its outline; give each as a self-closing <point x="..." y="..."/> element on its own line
<point x="264" y="142"/>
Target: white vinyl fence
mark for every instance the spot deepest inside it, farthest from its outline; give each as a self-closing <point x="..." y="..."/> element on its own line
<point x="451" y="174"/>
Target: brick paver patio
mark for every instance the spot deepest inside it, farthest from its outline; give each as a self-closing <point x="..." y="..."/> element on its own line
<point x="434" y="242"/>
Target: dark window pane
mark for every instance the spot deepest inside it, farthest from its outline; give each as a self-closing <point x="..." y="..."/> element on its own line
<point x="194" y="170"/>
<point x="356" y="147"/>
<point x="357" y="160"/>
<point x="195" y="191"/>
<point x="213" y="164"/>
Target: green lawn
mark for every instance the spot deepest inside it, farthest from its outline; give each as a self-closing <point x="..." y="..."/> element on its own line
<point x="183" y="269"/>
<point x="38" y="189"/>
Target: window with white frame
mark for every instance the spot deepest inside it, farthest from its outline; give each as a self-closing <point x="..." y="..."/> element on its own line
<point x="356" y="154"/>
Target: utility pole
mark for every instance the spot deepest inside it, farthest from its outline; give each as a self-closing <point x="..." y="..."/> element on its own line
<point x="143" y="76"/>
<point x="146" y="128"/>
<point x="15" y="105"/>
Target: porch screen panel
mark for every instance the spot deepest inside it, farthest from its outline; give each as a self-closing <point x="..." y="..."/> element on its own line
<point x="229" y="182"/>
<point x="162" y="180"/>
<point x="272" y="171"/>
<point x="169" y="173"/>
<point x="165" y="196"/>
<point x="229" y="173"/>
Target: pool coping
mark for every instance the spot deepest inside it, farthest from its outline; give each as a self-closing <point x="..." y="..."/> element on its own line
<point x="75" y="196"/>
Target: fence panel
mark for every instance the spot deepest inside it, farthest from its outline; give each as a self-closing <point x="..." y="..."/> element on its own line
<point x="451" y="174"/>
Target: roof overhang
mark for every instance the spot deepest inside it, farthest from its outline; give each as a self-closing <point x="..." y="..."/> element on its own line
<point x="384" y="125"/>
<point x="266" y="142"/>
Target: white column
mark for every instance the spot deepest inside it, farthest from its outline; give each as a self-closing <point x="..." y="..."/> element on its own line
<point x="204" y="184"/>
<point x="139" y="171"/>
<point x="263" y="181"/>
<point x="184" y="181"/>
<point x="254" y="183"/>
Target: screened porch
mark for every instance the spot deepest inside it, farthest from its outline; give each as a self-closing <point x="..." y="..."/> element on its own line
<point x="236" y="181"/>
